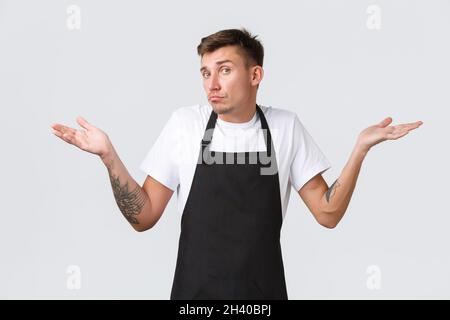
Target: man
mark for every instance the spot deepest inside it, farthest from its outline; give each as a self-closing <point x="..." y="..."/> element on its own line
<point x="232" y="163"/>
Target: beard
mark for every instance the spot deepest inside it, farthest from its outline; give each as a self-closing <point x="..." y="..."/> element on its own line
<point x="222" y="108"/>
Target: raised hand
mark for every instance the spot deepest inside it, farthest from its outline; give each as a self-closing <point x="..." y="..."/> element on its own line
<point x="382" y="131"/>
<point x="92" y="139"/>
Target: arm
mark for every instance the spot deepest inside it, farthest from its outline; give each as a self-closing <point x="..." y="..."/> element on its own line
<point x="141" y="206"/>
<point x="329" y="204"/>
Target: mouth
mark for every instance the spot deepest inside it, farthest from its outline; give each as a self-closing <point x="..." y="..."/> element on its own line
<point x="215" y="98"/>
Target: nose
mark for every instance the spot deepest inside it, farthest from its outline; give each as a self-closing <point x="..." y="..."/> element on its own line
<point x="213" y="83"/>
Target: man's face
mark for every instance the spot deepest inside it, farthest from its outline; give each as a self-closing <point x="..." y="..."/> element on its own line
<point x="227" y="82"/>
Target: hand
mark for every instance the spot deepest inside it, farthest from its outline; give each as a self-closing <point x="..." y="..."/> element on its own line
<point x="381" y="132"/>
<point x="92" y="140"/>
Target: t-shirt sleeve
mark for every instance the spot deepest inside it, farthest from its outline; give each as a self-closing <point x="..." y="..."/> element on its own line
<point x="308" y="159"/>
<point x="161" y="161"/>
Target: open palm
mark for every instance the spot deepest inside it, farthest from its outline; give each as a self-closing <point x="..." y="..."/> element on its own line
<point x="382" y="132"/>
<point x="92" y="139"/>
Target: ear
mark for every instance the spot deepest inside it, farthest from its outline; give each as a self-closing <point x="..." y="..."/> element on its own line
<point x="257" y="75"/>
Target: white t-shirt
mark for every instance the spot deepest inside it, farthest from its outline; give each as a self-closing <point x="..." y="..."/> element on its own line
<point x="173" y="158"/>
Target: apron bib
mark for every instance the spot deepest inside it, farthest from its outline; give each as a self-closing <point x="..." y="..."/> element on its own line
<point x="229" y="245"/>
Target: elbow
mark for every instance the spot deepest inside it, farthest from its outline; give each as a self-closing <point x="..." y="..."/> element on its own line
<point x="137" y="228"/>
<point x="329" y="220"/>
<point x="144" y="223"/>
<point x="140" y="227"/>
<point x="329" y="225"/>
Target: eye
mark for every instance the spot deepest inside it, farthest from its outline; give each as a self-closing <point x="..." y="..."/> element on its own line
<point x="205" y="75"/>
<point x="226" y="70"/>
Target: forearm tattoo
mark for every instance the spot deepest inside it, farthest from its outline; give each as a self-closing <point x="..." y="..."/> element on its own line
<point x="332" y="190"/>
<point x="130" y="202"/>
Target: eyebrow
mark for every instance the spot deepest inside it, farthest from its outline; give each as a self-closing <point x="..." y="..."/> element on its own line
<point x="217" y="63"/>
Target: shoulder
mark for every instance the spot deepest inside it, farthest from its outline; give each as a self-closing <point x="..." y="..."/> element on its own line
<point x="190" y="113"/>
<point x="280" y="118"/>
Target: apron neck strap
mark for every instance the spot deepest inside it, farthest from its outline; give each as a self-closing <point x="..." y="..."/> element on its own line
<point x="207" y="136"/>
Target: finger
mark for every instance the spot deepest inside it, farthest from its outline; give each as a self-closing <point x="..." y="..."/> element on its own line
<point x="70" y="138"/>
<point x="417" y="123"/>
<point x="63" y="129"/>
<point x="56" y="126"/>
<point x="63" y="136"/>
<point x="395" y="136"/>
<point x="385" y="122"/>
<point x="83" y="123"/>
<point x="409" y="126"/>
<point x="57" y="133"/>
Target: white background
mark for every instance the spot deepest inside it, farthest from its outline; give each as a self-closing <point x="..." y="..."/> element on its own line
<point x="133" y="62"/>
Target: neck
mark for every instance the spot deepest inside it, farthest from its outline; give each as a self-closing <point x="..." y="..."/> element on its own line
<point x="239" y="116"/>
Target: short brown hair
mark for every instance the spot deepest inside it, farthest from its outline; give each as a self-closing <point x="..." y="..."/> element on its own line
<point x="251" y="48"/>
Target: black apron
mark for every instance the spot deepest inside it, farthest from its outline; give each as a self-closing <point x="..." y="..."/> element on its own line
<point x="229" y="244"/>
